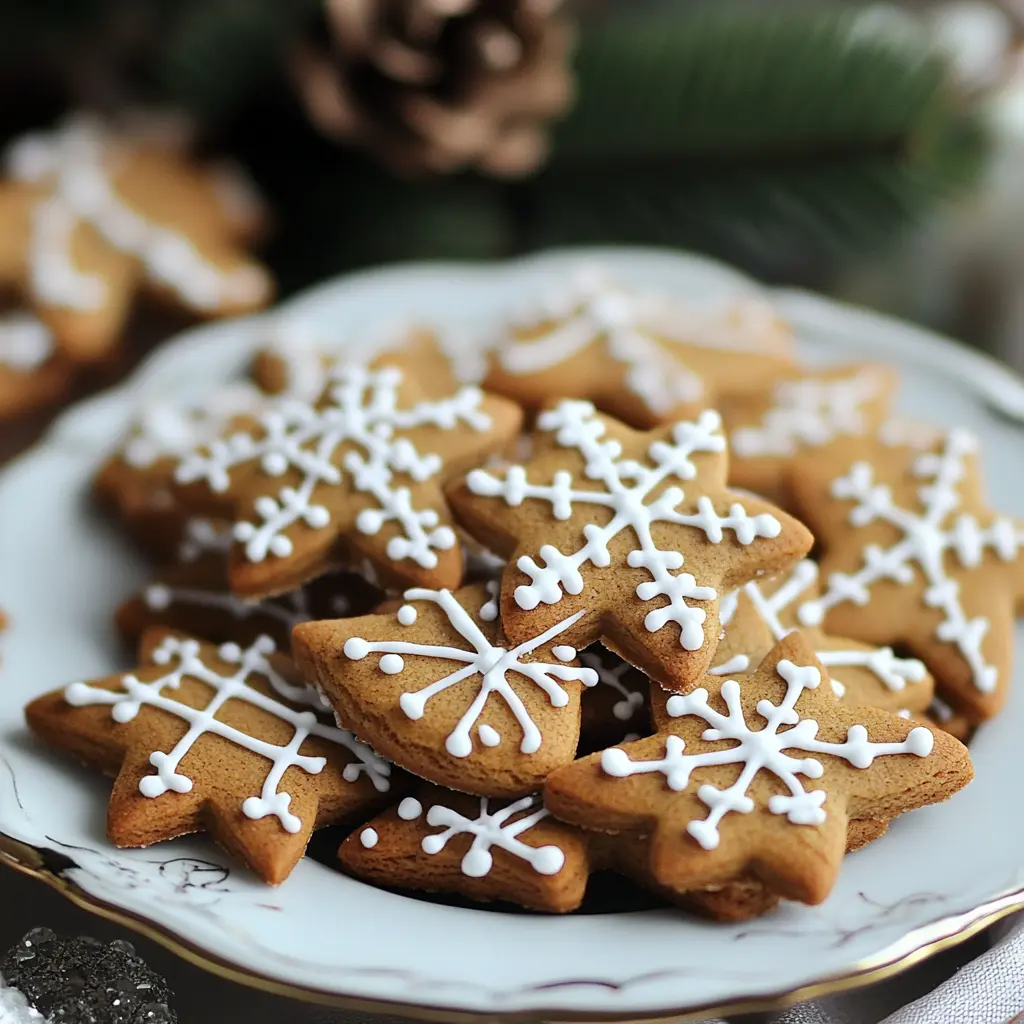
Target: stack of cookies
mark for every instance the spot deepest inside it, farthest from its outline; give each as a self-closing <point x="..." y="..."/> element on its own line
<point x="94" y="213"/>
<point x="618" y="586"/>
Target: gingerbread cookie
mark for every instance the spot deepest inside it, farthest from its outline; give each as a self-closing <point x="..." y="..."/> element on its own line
<point x="32" y="373"/>
<point x="816" y="411"/>
<point x="137" y="481"/>
<point x="92" y="215"/>
<point x="912" y="555"/>
<point x="299" y="358"/>
<point x="644" y="357"/>
<point x="214" y="738"/>
<point x="432" y="684"/>
<point x="194" y="597"/>
<point x="439" y="841"/>
<point x="759" y="614"/>
<point x="775" y="801"/>
<point x="357" y="475"/>
<point x="634" y="534"/>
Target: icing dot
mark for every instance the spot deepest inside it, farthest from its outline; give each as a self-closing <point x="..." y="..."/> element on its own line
<point x="392" y="664"/>
<point x="548" y="860"/>
<point x="432" y="844"/>
<point x="356" y="648"/>
<point x="564" y="652"/>
<point x="407" y="615"/>
<point x="369" y="838"/>
<point x="410" y="808"/>
<point x="489" y="737"/>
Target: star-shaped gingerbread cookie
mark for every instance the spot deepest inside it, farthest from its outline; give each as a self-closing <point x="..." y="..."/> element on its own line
<point x="218" y="739"/>
<point x="636" y="530"/>
<point x="760" y="776"/>
<point x="432" y="684"/>
<point x="356" y="476"/>
<point x="90" y="215"/>
<point x="912" y="555"/>
<point x="759" y="614"/>
<point x="641" y="356"/>
<point x="819" y="412"/>
<point x="439" y="841"/>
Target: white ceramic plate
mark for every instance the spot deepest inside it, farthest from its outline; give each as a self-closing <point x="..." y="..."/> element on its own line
<point x="939" y="873"/>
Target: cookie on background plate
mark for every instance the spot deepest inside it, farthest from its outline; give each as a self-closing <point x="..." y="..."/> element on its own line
<point x="642" y="356"/>
<point x="759" y="777"/>
<point x="219" y="739"/>
<point x="912" y="555"/>
<point x="634" y="534"/>
<point x="91" y="214"/>
<point x="820" y="411"/>
<point x="432" y="684"/>
<point x="438" y="841"/>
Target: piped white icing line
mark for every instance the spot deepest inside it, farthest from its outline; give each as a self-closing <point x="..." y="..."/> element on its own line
<point x="289" y="610"/>
<point x="165" y="430"/>
<point x="628" y="485"/>
<point x="892" y="672"/>
<point x="25" y="341"/>
<point x="929" y="536"/>
<point x="611" y="675"/>
<point x="759" y="749"/>
<point x="807" y="414"/>
<point x="633" y="326"/>
<point x="183" y="659"/>
<point x="311" y="352"/>
<point x="480" y="658"/>
<point x="79" y="162"/>
<point x="490" y="829"/>
<point x="361" y="412"/>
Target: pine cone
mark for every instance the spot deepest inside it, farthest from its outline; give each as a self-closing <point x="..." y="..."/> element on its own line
<point x="439" y="85"/>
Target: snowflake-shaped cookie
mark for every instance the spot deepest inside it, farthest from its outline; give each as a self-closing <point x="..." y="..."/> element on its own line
<point x="434" y="686"/>
<point x="220" y="738"/>
<point x="760" y="775"/>
<point x="913" y="556"/>
<point x="106" y="213"/>
<point x="642" y="356"/>
<point x="356" y="475"/>
<point x="479" y="847"/>
<point x="758" y="615"/>
<point x="814" y="411"/>
<point x="638" y="530"/>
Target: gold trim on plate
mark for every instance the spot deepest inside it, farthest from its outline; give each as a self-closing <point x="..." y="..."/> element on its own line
<point x="914" y="947"/>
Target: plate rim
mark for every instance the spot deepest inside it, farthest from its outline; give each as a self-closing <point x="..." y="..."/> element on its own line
<point x="999" y="386"/>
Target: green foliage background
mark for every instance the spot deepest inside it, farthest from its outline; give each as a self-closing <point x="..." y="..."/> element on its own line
<point x="792" y="139"/>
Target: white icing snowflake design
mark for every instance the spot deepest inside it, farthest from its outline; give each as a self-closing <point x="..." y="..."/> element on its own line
<point x="480" y="658"/>
<point x="759" y="750"/>
<point x="25" y="342"/>
<point x="628" y="485"/>
<point x="891" y="671"/>
<point x="168" y="431"/>
<point x="489" y="829"/>
<point x="362" y="412"/>
<point x="928" y="535"/>
<point x="634" y="326"/>
<point x="807" y="414"/>
<point x="183" y="658"/>
<point x="76" y="162"/>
